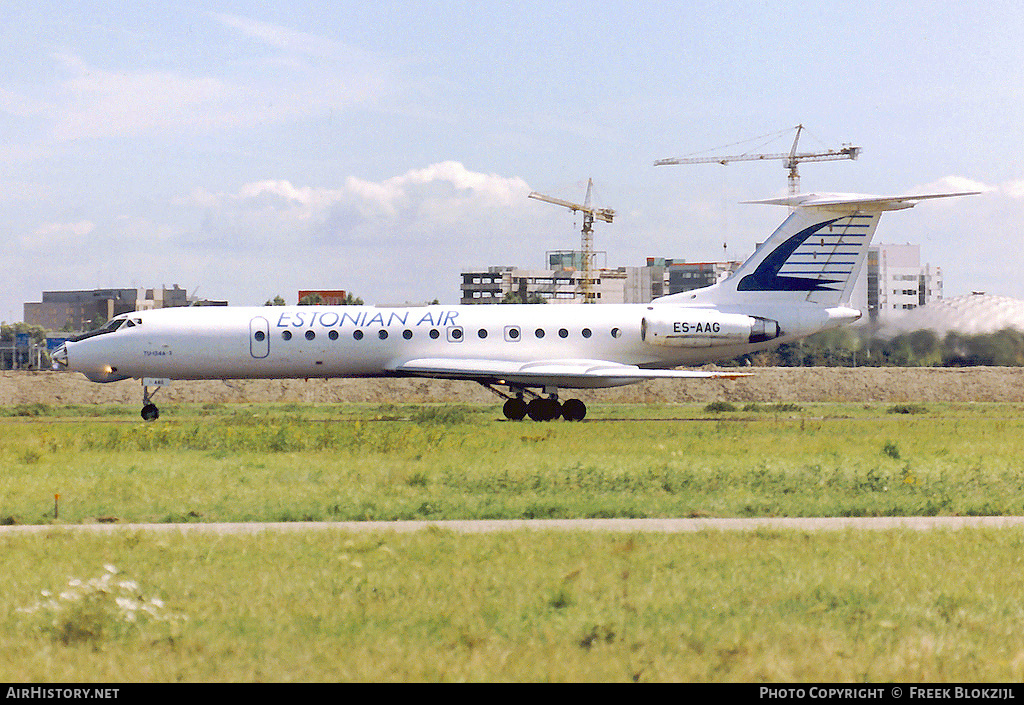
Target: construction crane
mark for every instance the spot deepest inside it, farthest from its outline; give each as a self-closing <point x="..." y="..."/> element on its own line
<point x="790" y="159"/>
<point x="587" y="241"/>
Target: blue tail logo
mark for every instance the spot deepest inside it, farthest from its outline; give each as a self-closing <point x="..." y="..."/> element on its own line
<point x="767" y="278"/>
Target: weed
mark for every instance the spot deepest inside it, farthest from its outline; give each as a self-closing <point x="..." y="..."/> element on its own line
<point x="30" y="456"/>
<point x="418" y="479"/>
<point x="597" y="634"/>
<point x="717" y="407"/>
<point x="561" y="599"/>
<point x="908" y="409"/>
<point x="99" y="608"/>
<point x="33" y="409"/>
<point x="779" y="408"/>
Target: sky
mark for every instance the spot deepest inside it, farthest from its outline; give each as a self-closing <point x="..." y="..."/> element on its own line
<point x="248" y="150"/>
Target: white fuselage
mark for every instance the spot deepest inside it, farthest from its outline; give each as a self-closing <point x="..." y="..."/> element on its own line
<point x="362" y="341"/>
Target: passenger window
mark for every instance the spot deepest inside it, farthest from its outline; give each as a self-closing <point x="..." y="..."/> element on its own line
<point x="407" y="334"/>
<point x="563" y="333"/>
<point x="481" y="333"/>
<point x="435" y="333"/>
<point x="310" y="335"/>
<point x="260" y="336"/>
<point x="287" y="335"/>
<point x="382" y="334"/>
<point x="539" y="332"/>
<point x="512" y="334"/>
<point x="616" y="333"/>
<point x="358" y="335"/>
<point x="586" y="333"/>
<point x="333" y="335"/>
<point x="455" y="334"/>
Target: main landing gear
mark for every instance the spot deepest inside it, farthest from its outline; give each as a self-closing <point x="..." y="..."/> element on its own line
<point x="539" y="408"/>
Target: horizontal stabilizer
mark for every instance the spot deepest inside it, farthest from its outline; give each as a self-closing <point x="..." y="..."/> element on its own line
<point x="854" y="201"/>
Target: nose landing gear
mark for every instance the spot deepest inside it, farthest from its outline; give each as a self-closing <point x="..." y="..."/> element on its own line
<point x="150" y="412"/>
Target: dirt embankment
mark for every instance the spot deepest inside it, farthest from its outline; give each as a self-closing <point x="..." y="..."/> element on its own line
<point x="766" y="384"/>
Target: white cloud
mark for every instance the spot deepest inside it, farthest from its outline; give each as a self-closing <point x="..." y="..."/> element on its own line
<point x="955" y="184"/>
<point x="50" y="236"/>
<point x="304" y="75"/>
<point x="1014" y="189"/>
<point x="96" y="103"/>
<point x="20" y="105"/>
<point x="969" y="237"/>
<point x="434" y="220"/>
<point x="433" y="192"/>
<point x="282" y="38"/>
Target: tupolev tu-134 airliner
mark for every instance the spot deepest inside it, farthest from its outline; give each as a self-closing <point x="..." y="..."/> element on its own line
<point x="796" y="283"/>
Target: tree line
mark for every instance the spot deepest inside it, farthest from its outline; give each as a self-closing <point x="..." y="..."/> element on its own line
<point x="847" y="347"/>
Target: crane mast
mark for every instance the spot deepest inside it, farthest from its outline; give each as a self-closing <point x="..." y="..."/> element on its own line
<point x="790" y="160"/>
<point x="587" y="239"/>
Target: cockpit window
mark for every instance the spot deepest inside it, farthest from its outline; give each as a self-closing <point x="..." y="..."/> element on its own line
<point x="108" y="327"/>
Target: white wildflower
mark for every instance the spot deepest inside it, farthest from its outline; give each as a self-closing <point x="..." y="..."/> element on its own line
<point x="93" y="609"/>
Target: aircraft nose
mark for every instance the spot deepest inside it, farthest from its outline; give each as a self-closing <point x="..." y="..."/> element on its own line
<point x="60" y="355"/>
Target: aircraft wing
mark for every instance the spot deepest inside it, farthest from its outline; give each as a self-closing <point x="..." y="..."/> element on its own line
<point x="577" y="374"/>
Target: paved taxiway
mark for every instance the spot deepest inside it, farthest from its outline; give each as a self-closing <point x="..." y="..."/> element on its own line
<point x="485" y="526"/>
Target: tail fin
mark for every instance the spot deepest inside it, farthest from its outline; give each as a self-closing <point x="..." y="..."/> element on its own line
<point x="814" y="256"/>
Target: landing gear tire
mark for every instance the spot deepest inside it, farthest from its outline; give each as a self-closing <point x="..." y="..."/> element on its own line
<point x="574" y="410"/>
<point x="514" y="409"/>
<point x="544" y="409"/>
<point x="150" y="412"/>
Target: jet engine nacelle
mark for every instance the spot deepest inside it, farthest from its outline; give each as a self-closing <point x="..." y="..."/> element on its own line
<point x="695" y="328"/>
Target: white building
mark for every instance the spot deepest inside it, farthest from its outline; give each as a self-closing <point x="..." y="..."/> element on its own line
<point x="894" y="281"/>
<point x="555" y="286"/>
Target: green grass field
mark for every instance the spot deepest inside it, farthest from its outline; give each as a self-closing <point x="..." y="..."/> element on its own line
<point x="765" y="606"/>
<point x="524" y="606"/>
<point x="349" y="462"/>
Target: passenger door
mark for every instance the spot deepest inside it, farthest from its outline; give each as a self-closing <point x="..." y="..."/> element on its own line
<point x="259" y="337"/>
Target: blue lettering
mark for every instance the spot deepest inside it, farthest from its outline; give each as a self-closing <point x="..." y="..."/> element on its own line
<point x="323" y="319"/>
<point x="350" y="317"/>
<point x="428" y="318"/>
<point x="376" y="319"/>
<point x="450" y="318"/>
<point x="281" y="321"/>
<point x="299" y="322"/>
<point x="401" y="317"/>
